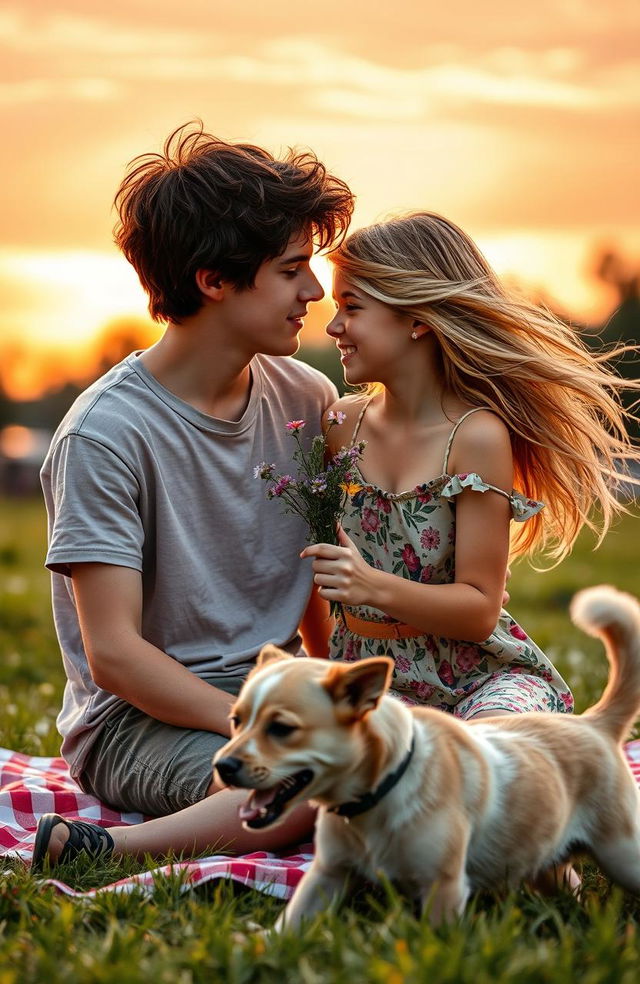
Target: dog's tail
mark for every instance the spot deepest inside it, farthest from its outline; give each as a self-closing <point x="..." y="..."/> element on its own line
<point x="613" y="617"/>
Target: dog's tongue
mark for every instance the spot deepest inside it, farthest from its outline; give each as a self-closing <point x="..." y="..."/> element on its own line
<point x="256" y="802"/>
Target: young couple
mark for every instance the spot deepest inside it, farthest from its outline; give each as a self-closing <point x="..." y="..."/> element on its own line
<point x="170" y="567"/>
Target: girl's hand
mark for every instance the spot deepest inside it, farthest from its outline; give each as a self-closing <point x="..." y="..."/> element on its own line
<point x="340" y="571"/>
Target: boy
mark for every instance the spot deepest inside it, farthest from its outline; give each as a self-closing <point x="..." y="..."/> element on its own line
<point x="170" y="568"/>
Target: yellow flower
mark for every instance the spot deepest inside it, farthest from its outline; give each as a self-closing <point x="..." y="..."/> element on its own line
<point x="351" y="488"/>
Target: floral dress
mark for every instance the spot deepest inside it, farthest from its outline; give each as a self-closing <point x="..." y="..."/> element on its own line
<point x="412" y="534"/>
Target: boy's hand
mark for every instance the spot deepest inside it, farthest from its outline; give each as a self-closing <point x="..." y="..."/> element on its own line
<point x="340" y="571"/>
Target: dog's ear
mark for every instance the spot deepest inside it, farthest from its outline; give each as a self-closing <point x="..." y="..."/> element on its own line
<point x="356" y="688"/>
<point x="269" y="653"/>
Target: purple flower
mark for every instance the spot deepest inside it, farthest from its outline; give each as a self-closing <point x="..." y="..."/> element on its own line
<point x="318" y="485"/>
<point x="319" y="492"/>
<point x="283" y="483"/>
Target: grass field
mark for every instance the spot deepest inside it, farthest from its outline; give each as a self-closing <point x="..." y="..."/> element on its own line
<point x="203" y="935"/>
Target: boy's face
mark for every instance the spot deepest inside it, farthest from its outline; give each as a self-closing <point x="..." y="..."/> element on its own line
<point x="267" y="317"/>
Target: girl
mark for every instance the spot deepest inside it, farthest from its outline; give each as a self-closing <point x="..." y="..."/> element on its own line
<point x="474" y="393"/>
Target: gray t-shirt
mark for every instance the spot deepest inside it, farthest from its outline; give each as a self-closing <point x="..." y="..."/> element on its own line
<point x="137" y="478"/>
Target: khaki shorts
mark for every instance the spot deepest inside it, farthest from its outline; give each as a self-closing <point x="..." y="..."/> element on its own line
<point x="140" y="764"/>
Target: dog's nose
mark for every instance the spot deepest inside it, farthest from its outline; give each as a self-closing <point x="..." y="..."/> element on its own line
<point x="228" y="768"/>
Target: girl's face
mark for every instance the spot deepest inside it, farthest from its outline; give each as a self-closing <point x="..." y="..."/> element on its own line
<point x="371" y="337"/>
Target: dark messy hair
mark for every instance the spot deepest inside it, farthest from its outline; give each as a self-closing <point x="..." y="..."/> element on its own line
<point x="207" y="204"/>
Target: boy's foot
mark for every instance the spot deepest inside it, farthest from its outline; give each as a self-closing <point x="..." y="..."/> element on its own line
<point x="60" y="840"/>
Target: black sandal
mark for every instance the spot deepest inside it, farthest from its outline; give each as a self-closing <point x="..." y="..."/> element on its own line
<point x="84" y="838"/>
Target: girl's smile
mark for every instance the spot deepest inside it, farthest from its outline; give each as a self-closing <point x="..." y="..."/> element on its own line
<point x="370" y="336"/>
<point x="345" y="352"/>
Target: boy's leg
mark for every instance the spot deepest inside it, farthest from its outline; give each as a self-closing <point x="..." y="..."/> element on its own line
<point x="211" y="826"/>
<point x="142" y="765"/>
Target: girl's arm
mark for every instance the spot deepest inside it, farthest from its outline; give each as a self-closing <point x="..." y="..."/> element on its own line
<point x="469" y="608"/>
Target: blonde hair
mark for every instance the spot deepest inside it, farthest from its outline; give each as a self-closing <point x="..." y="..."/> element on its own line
<point x="559" y="399"/>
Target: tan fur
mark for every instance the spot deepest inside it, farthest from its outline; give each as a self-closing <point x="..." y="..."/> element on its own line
<point x="482" y="804"/>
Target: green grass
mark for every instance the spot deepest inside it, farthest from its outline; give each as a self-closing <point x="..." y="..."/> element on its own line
<point x="204" y="934"/>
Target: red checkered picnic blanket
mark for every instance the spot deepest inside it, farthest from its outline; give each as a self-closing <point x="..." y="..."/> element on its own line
<point x="31" y="786"/>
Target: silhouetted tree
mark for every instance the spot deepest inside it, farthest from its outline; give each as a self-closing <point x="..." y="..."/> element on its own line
<point x="623" y="327"/>
<point x="118" y="339"/>
<point x="5" y="405"/>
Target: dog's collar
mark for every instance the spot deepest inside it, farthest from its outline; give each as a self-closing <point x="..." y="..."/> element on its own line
<point x="369" y="800"/>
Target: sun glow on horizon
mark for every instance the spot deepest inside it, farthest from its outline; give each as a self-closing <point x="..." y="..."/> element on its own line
<point x="65" y="297"/>
<point x="56" y="305"/>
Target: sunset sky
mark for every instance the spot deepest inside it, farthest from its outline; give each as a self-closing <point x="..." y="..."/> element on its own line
<point x="517" y="120"/>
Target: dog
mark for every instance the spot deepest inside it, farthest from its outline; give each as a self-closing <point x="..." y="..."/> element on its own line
<point x="440" y="806"/>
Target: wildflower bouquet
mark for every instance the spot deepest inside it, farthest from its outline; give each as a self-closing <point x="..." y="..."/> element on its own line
<point x="319" y="491"/>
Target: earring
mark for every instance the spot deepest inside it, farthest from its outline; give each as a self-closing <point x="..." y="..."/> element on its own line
<point x="414" y="335"/>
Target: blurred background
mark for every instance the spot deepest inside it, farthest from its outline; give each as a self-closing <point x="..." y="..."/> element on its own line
<point x="519" y="121"/>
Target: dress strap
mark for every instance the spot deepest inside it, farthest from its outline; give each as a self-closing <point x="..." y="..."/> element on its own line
<point x="359" y="420"/>
<point x="453" y="434"/>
